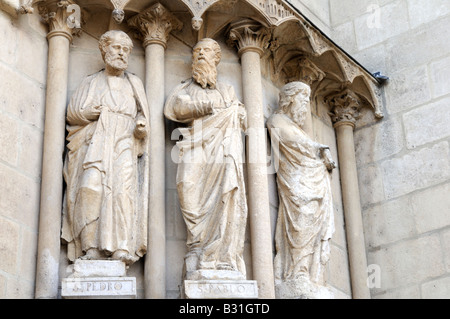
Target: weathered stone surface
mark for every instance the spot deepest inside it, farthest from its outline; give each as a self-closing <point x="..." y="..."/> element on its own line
<point x="409" y="262"/>
<point x="98" y="268"/>
<point x="438" y="76"/>
<point x="220" y="289"/>
<point x="9" y="246"/>
<point x="407" y="89"/>
<point x="416" y="170"/>
<point x="404" y="50"/>
<point x="431" y="208"/>
<point x="371" y="188"/>
<point x="421" y="12"/>
<point x="436" y="289"/>
<point x="378" y="141"/>
<point x="19" y="197"/>
<point x="24" y="104"/>
<point x="206" y="274"/>
<point x="342" y="11"/>
<point x="339" y="273"/>
<point x="389" y="222"/>
<point x="381" y="23"/>
<point x="9" y="139"/>
<point x="302" y="289"/>
<point x="427" y="124"/>
<point x="99" y="287"/>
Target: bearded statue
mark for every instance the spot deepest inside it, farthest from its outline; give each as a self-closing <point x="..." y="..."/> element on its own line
<point x="305" y="222"/>
<point x="106" y="167"/>
<point x="210" y="178"/>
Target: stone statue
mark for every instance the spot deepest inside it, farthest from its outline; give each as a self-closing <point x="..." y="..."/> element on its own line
<point x="210" y="179"/>
<point x="305" y="216"/>
<point x="105" y="208"/>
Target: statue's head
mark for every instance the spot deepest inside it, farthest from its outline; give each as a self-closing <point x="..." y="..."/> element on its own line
<point x="116" y="47"/>
<point x="294" y="101"/>
<point x="118" y="15"/>
<point x="206" y="55"/>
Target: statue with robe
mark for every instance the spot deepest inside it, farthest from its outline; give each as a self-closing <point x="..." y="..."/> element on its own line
<point x="210" y="178"/>
<point x="305" y="221"/>
<point x="106" y="166"/>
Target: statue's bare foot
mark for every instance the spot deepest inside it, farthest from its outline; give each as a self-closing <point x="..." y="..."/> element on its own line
<point x="124" y="256"/>
<point x="225" y="266"/>
<point x="91" y="254"/>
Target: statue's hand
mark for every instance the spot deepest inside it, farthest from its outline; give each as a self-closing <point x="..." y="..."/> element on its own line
<point x="92" y="113"/>
<point x="140" y="131"/>
<point x="328" y="159"/>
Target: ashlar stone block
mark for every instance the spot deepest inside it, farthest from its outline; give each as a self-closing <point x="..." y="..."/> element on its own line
<point x="93" y="279"/>
<point x="416" y="170"/>
<point x="220" y="289"/>
<point x="427" y="124"/>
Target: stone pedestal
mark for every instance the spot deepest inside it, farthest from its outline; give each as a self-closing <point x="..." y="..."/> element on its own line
<point x="218" y="284"/>
<point x="98" y="279"/>
<point x="301" y="288"/>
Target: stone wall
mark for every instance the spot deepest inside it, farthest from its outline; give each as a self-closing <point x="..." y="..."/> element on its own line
<point x="23" y="61"/>
<point x="403" y="161"/>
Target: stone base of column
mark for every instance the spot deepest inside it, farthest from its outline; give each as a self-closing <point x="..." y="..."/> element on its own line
<point x="301" y="288"/>
<point x="98" y="279"/>
<point x="218" y="284"/>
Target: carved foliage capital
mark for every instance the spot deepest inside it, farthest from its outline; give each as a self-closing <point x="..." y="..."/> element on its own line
<point x="345" y="108"/>
<point x="249" y="35"/>
<point x="63" y="17"/>
<point x="155" y="24"/>
<point x="302" y="69"/>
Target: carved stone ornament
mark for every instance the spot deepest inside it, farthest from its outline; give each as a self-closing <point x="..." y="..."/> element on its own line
<point x="63" y="17"/>
<point x="155" y="24"/>
<point x="302" y="69"/>
<point x="275" y="10"/>
<point x="26" y="6"/>
<point x="305" y="222"/>
<point x="249" y="35"/>
<point x="345" y="108"/>
<point x="118" y="12"/>
<point x="199" y="7"/>
<point x="106" y="167"/>
<point x="210" y="178"/>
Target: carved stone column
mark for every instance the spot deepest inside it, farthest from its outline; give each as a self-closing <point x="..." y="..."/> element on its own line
<point x="344" y="114"/>
<point x="251" y="39"/>
<point x="55" y="13"/>
<point x="154" y="26"/>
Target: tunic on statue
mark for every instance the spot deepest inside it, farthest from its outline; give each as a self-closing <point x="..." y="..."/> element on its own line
<point x="305" y="217"/>
<point x="210" y="180"/>
<point x="107" y="165"/>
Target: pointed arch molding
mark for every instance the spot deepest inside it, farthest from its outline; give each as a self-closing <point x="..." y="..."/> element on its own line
<point x="293" y="38"/>
<point x="311" y="45"/>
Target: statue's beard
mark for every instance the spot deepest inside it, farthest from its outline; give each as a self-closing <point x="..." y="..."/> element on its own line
<point x="298" y="114"/>
<point x="204" y="73"/>
<point x="116" y="62"/>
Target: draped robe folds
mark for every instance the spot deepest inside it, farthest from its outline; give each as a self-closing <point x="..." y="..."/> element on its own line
<point x="107" y="212"/>
<point x="305" y="217"/>
<point x="210" y="179"/>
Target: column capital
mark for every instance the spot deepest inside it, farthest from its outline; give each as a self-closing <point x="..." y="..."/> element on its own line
<point x="249" y="35"/>
<point x="155" y="24"/>
<point x="63" y="17"/>
<point x="345" y="108"/>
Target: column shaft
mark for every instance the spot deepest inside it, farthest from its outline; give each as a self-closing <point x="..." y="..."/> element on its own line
<point x="155" y="260"/>
<point x="258" y="189"/>
<point x="49" y="242"/>
<point x="154" y="26"/>
<point x="352" y="210"/>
